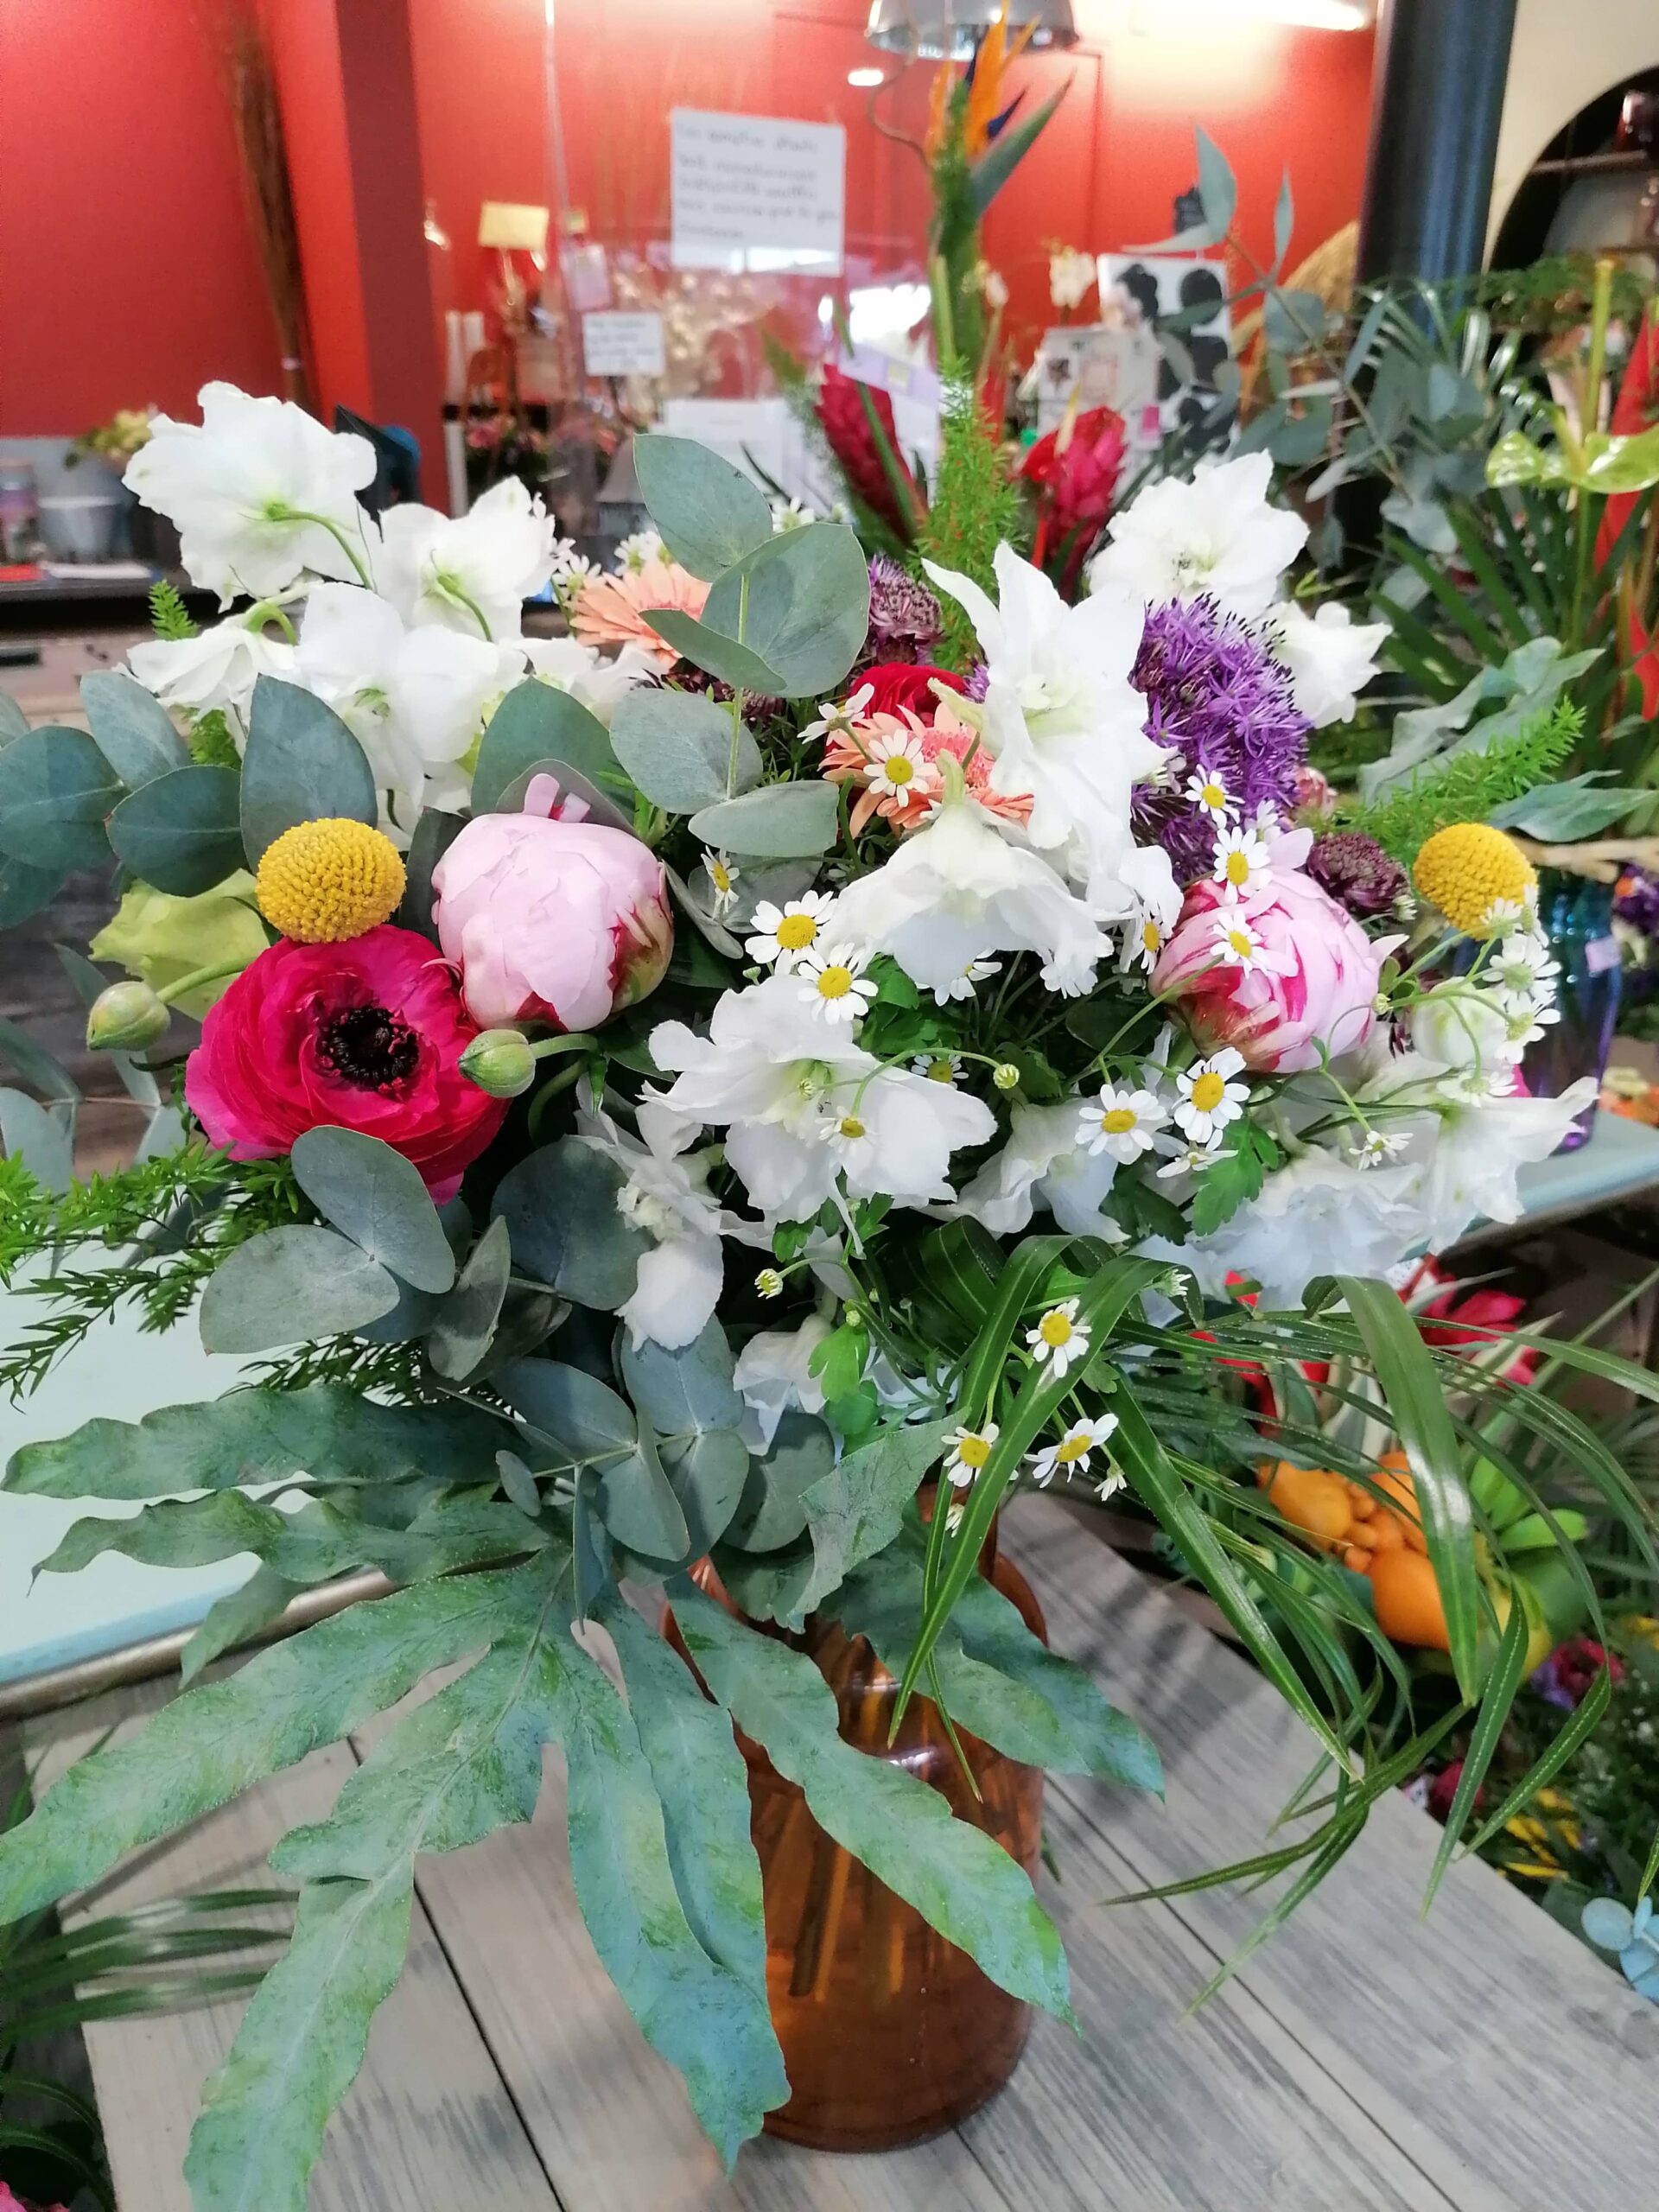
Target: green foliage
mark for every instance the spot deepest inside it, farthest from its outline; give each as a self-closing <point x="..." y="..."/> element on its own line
<point x="208" y="735"/>
<point x="168" y="616"/>
<point x="975" y="508"/>
<point x="1467" y="786"/>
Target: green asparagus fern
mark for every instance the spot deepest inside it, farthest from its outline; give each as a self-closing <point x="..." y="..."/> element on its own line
<point x="1467" y="786"/>
<point x="975" y="508"/>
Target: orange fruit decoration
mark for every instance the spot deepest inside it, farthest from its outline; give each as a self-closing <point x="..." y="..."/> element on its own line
<point x="1311" y="1498"/>
<point x="1407" y="1599"/>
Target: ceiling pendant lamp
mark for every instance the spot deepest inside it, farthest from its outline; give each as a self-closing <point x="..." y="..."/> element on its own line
<point x="951" y="31"/>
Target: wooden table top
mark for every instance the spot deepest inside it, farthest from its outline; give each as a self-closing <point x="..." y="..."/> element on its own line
<point x="1481" y="2061"/>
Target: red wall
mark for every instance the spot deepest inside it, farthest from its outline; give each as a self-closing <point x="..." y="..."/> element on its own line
<point x="128" y="271"/>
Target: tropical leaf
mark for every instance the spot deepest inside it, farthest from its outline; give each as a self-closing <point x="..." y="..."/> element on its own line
<point x="858" y="1507"/>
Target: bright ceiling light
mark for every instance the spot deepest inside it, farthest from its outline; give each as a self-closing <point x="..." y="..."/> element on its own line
<point x="866" y="80"/>
<point x="1179" y="19"/>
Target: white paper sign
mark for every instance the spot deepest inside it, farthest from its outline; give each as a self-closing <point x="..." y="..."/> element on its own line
<point x="757" y="192"/>
<point x="614" y="344"/>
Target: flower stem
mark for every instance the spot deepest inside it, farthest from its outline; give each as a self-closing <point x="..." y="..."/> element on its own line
<point x="214" y="972"/>
<point x="737" y="694"/>
<point x="300" y="514"/>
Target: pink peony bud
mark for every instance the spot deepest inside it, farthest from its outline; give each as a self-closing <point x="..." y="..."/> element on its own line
<point x="1309" y="985"/>
<point x="559" y="921"/>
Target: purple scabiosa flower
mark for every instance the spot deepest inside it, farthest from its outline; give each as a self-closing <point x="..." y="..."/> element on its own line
<point x="905" y="617"/>
<point x="1635" y="901"/>
<point x="1356" y="872"/>
<point x="1216" y="696"/>
<point x="977" y="682"/>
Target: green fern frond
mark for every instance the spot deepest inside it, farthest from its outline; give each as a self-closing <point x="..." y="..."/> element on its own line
<point x="169" y="618"/>
<point x="975" y="507"/>
<point x="210" y="741"/>
<point x="1468" y="787"/>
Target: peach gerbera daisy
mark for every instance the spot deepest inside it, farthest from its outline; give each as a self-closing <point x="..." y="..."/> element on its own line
<point x="612" y="610"/>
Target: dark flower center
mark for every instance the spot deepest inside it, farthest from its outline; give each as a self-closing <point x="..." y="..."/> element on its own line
<point x="369" y="1046"/>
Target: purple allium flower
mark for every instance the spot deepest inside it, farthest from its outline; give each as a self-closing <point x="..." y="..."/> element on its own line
<point x="1218" y="697"/>
<point x="1356" y="872"/>
<point x="905" y="617"/>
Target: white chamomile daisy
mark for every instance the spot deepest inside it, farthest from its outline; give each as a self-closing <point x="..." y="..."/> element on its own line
<point x="1142" y="942"/>
<point x="1522" y="972"/>
<point x="1529" y="1018"/>
<point x="783" y="934"/>
<point x="571" y="572"/>
<point x="846" y="1134"/>
<point x="769" y="1283"/>
<point x="1123" y="1121"/>
<point x="838" y="719"/>
<point x="1376" y="1146"/>
<point x="895" y="766"/>
<point x="1206" y="790"/>
<point x="790" y="514"/>
<point x="1240" y="861"/>
<point x="1070" y="1456"/>
<point x="834" y="982"/>
<point x="1059" y="1339"/>
<point x="1210" y="1099"/>
<point x="1237" y="943"/>
<point x="969" y="1449"/>
<point x="938" y="1067"/>
<point x="639" y="550"/>
<point x="953" y="1514"/>
<point x="722" y="876"/>
<point x="1503" y="914"/>
<point x="1192" y="1159"/>
<point x="961" y="987"/>
<point x="1109" y="1484"/>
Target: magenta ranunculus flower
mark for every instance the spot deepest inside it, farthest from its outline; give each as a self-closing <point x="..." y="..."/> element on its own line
<point x="366" y="1035"/>
<point x="551" y="920"/>
<point x="1303" y="988"/>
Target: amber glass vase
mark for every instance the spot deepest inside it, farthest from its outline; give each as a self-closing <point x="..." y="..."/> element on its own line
<point x="889" y="2032"/>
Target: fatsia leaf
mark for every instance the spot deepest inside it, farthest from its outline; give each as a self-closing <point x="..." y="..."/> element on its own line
<point x="232" y="1620"/>
<point x="858" y="1507"/>
<point x="289" y="1285"/>
<point x="373" y="1195"/>
<point x="702" y="1781"/>
<point x="221" y="1738"/>
<point x="959" y="1880"/>
<point x="260" y="1436"/>
<point x="710" y="2022"/>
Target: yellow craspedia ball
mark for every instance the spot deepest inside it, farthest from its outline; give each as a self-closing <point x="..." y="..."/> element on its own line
<point x="322" y="883"/>
<point x="1478" y="877"/>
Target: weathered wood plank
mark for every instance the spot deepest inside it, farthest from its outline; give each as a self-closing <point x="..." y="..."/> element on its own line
<point x="427" y="2123"/>
<point x="1504" y="2060"/>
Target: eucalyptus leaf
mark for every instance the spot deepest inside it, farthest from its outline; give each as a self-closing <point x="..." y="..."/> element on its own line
<point x="374" y="1196"/>
<point x="465" y="1322"/>
<point x="24" y="890"/>
<point x="42" y="1138"/>
<point x="13" y="723"/>
<point x="680" y="749"/>
<point x="301" y="764"/>
<point x="780" y="822"/>
<point x="719" y="655"/>
<point x="590" y="1426"/>
<point x="433" y="836"/>
<point x="576" y="792"/>
<point x="290" y="1286"/>
<point x="537" y="723"/>
<point x="802" y="602"/>
<point x="707" y="513"/>
<point x="130" y="728"/>
<point x="182" y="831"/>
<point x="36" y="1064"/>
<point x="956" y="1877"/>
<point x="1284" y="218"/>
<point x="57" y="790"/>
<point x="518" y="1482"/>
<point x="560" y="1205"/>
<point x="1217" y="192"/>
<point x="771" y="1512"/>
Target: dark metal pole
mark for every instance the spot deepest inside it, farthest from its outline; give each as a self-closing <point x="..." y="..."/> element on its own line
<point x="1437" y="97"/>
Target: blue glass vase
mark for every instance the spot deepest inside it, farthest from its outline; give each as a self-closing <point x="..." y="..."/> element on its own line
<point x="1576" y="916"/>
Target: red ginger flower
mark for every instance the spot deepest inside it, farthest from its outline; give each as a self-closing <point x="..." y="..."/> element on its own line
<point x="853" y="441"/>
<point x="1075" y="470"/>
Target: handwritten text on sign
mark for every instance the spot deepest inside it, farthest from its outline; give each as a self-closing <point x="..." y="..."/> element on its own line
<point x="616" y="344"/>
<point x="754" y="192"/>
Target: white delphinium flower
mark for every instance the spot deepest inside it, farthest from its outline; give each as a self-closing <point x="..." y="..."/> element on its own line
<point x="595" y="680"/>
<point x="637" y="551"/>
<point x="1463" y="1150"/>
<point x="1071" y="1455"/>
<point x="838" y="718"/>
<point x="723" y="876"/>
<point x="1043" y="1163"/>
<point x="1242" y="862"/>
<point x="773" y="1073"/>
<point x="260" y="494"/>
<point x="415" y="700"/>
<point x="1070" y="276"/>
<point x="1458" y="1024"/>
<point x="667" y="1195"/>
<point x="774" y="1376"/>
<point x="1210" y="1099"/>
<point x="1206" y="790"/>
<point x="834" y="983"/>
<point x="1061" y="721"/>
<point x="969" y="1449"/>
<point x="1219" y="536"/>
<point x="216" y="669"/>
<point x="1236" y="943"/>
<point x="785" y="935"/>
<point x="472" y="572"/>
<point x="957" y="891"/>
<point x="1330" y="656"/>
<point x="1060" y="1340"/>
<point x="1123" y="1121"/>
<point x="962" y="986"/>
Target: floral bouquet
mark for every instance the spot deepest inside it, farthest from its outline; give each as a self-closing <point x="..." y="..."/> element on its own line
<point x="672" y="1108"/>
